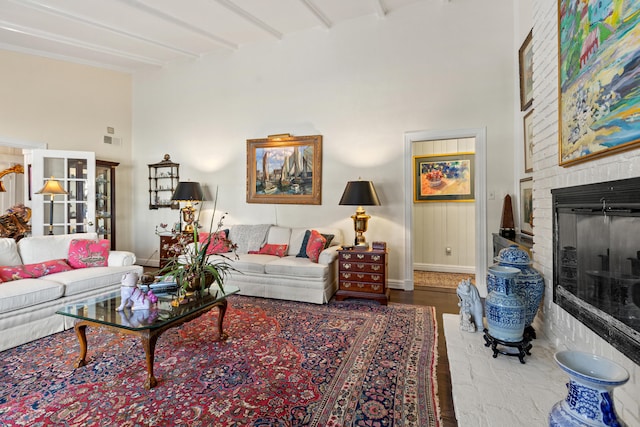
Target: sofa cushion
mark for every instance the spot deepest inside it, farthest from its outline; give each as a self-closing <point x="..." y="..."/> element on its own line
<point x="296" y="267"/>
<point x="249" y="237"/>
<point x="43" y="248"/>
<point x="252" y="263"/>
<point x="87" y="279"/>
<point x="24" y="293"/>
<point x="84" y="253"/>
<point x="278" y="235"/>
<point x="218" y="244"/>
<point x="9" y="252"/>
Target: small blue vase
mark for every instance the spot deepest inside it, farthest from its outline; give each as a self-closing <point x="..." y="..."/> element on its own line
<point x="589" y="400"/>
<point x="504" y="308"/>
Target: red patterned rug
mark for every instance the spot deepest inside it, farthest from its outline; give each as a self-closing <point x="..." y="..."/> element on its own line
<point x="350" y="363"/>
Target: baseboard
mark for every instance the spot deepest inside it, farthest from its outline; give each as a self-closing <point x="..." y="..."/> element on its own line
<point x="445" y="268"/>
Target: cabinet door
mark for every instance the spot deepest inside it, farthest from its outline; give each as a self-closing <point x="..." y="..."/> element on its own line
<point x="73" y="212"/>
<point x="105" y="201"/>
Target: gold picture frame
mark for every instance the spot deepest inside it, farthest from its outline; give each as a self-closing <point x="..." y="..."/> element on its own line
<point x="525" y="59"/>
<point x="285" y="169"/>
<point x="527" y="128"/>
<point x="526" y="206"/>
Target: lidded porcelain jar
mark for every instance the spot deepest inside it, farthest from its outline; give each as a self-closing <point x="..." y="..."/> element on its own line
<point x="529" y="282"/>
<point x="504" y="307"/>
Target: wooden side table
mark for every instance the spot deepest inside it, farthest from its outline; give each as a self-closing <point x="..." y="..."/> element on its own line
<point x="363" y="274"/>
<point x="165" y="243"/>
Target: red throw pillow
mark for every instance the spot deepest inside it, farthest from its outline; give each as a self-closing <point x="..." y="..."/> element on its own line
<point x="14" y="272"/>
<point x="315" y="245"/>
<point x="277" y="250"/>
<point x="85" y="253"/>
<point x="47" y="267"/>
<point x="219" y="243"/>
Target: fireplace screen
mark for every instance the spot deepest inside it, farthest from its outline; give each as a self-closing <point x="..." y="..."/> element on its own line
<point x="597" y="259"/>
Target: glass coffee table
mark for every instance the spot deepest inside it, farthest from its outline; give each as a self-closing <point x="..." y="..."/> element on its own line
<point x="146" y="324"/>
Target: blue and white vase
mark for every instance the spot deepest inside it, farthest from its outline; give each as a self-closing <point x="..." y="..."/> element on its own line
<point x="504" y="307"/>
<point x="589" y="400"/>
<point x="529" y="281"/>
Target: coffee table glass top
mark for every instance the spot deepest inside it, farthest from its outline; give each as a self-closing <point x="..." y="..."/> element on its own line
<point x="102" y="309"/>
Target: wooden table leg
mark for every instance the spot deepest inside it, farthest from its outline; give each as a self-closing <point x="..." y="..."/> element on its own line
<point x="149" y="343"/>
<point x="81" y="332"/>
<point x="223" y="309"/>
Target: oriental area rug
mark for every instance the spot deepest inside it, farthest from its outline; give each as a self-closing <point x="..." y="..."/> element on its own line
<point x="350" y="363"/>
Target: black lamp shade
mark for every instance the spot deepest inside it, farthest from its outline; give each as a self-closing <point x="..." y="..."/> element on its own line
<point x="187" y="191"/>
<point x="360" y="193"/>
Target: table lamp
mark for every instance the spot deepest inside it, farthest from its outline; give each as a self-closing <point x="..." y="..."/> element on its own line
<point x="360" y="193"/>
<point x="188" y="192"/>
<point x="51" y="188"/>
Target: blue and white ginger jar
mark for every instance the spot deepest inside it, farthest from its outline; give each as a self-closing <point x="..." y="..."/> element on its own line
<point x="589" y="400"/>
<point x="504" y="307"/>
<point x="529" y="281"/>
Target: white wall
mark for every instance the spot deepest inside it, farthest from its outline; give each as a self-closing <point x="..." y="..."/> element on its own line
<point x="68" y="107"/>
<point x="361" y="84"/>
<point x="561" y="327"/>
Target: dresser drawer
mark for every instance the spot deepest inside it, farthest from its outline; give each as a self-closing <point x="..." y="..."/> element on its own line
<point x="353" y="286"/>
<point x="362" y="277"/>
<point x="361" y="267"/>
<point x="356" y="256"/>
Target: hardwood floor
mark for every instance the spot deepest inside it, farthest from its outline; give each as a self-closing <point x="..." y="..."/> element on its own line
<point x="445" y="301"/>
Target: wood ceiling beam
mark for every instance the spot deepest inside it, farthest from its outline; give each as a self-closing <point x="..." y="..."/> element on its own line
<point x="84" y="20"/>
<point x="77" y="43"/>
<point x="249" y="17"/>
<point x="183" y="24"/>
<point x="315" y="10"/>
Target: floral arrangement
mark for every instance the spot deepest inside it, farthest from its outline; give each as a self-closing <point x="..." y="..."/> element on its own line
<point x="435" y="175"/>
<point x="190" y="264"/>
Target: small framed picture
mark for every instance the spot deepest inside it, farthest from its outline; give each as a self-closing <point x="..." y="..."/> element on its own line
<point x="525" y="57"/>
<point x="528" y="141"/>
<point x="526" y="206"/>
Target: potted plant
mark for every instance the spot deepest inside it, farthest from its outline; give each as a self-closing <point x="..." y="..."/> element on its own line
<point x="191" y="265"/>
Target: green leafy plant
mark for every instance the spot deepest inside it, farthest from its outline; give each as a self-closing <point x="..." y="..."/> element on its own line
<point x="190" y="266"/>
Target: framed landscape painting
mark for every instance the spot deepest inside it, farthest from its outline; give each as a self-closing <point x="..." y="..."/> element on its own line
<point x="443" y="178"/>
<point x="599" y="64"/>
<point x="285" y="169"/>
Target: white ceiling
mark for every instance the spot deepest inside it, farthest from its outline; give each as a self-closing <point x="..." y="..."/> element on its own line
<point x="129" y="35"/>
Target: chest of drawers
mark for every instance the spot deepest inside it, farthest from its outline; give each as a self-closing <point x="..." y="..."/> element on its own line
<point x="363" y="274"/>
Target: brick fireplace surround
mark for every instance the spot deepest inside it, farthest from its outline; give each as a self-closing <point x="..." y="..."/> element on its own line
<point x="476" y="377"/>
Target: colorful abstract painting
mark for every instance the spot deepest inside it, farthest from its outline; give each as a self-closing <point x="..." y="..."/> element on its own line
<point x="443" y="178"/>
<point x="599" y="61"/>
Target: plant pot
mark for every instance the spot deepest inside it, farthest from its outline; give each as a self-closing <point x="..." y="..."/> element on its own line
<point x="589" y="400"/>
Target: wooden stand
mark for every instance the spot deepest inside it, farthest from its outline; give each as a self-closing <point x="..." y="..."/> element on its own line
<point x="363" y="274"/>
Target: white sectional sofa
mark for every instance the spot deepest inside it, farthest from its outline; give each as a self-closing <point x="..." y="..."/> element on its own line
<point x="28" y="306"/>
<point x="288" y="277"/>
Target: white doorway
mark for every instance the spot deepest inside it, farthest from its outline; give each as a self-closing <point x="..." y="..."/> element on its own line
<point x="479" y="137"/>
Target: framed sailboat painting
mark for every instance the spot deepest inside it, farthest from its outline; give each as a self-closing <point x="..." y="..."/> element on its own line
<point x="285" y="169"/>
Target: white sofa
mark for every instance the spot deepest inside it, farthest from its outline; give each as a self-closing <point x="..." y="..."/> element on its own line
<point x="289" y="277"/>
<point x="28" y="306"/>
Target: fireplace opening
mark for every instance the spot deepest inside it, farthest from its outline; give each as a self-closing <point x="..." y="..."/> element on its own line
<point x="596" y="259"/>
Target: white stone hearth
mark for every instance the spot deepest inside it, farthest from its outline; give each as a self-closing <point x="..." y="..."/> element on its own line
<point x="501" y="392"/>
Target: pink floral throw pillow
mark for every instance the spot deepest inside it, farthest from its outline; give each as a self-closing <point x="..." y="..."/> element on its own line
<point x="48" y="267"/>
<point x="14" y="272"/>
<point x="271" y="249"/>
<point x="315" y="245"/>
<point x="85" y="253"/>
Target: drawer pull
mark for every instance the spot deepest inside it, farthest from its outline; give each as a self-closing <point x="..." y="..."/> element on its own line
<point x="346" y="285"/>
<point x="376" y="287"/>
<point x="360" y="276"/>
<point x="360" y="266"/>
<point x="361" y="285"/>
<point x="346" y="275"/>
<point x="375" y="257"/>
<point x="375" y="277"/>
<point x="346" y="256"/>
<point x="347" y="266"/>
<point x="360" y="256"/>
<point x="375" y="267"/>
